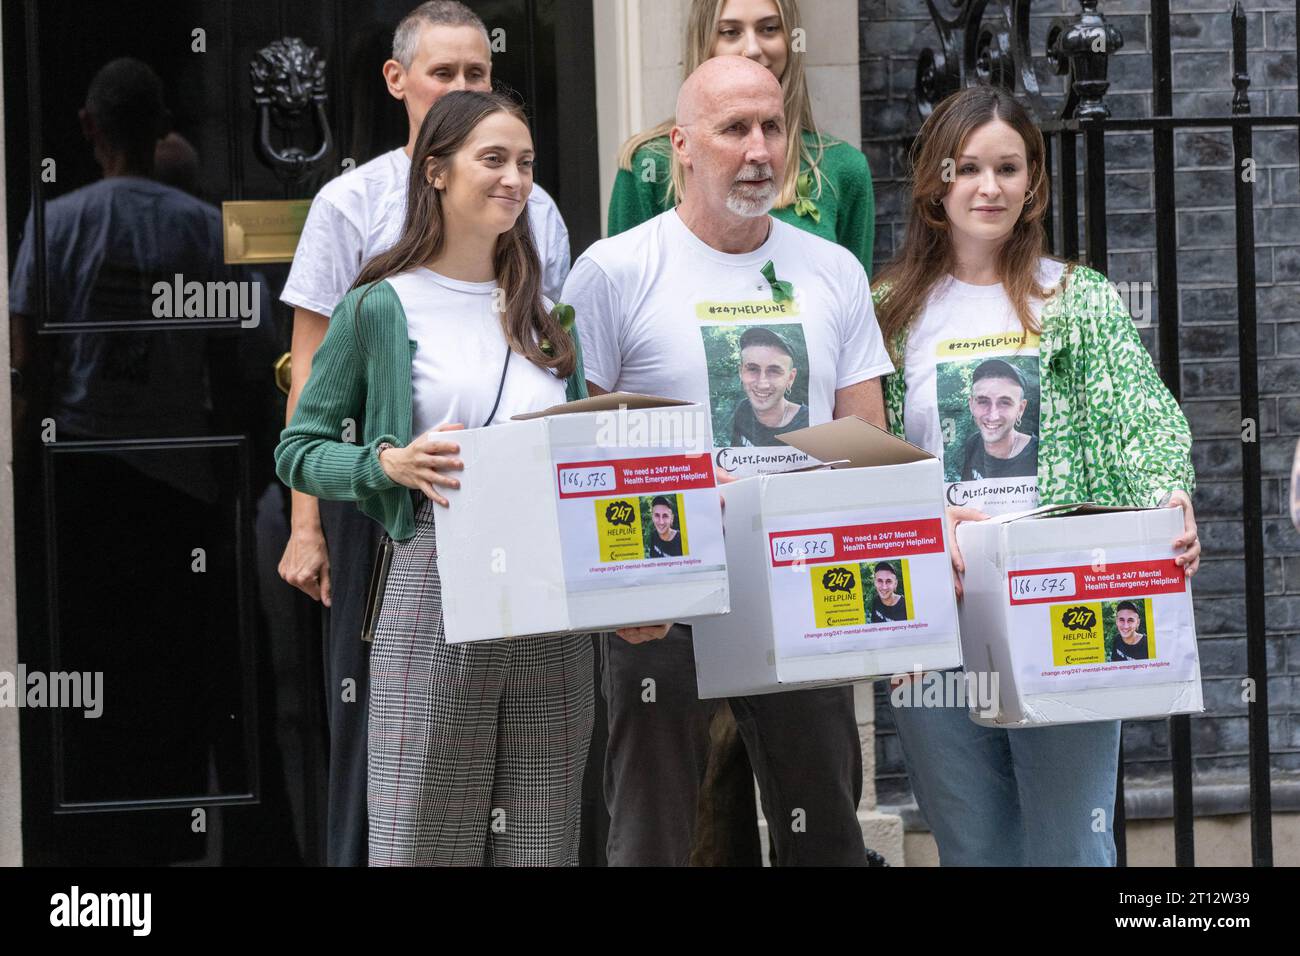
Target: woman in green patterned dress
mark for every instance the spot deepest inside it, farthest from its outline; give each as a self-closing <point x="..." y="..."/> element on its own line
<point x="971" y="283"/>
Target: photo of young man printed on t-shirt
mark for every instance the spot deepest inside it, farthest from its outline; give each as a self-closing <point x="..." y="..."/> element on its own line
<point x="758" y="382"/>
<point x="663" y="537"/>
<point x="767" y="374"/>
<point x="998" y="401"/>
<point x="989" y="411"/>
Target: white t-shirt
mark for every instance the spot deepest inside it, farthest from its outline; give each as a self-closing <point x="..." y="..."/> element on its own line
<point x="359" y="214"/>
<point x="460" y="351"/>
<point x="662" y="313"/>
<point x="985" y="431"/>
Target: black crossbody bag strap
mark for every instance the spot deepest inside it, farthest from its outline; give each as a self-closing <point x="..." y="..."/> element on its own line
<point x="501" y="387"/>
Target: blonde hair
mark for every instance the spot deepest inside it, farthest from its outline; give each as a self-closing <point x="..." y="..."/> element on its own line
<point x="701" y="35"/>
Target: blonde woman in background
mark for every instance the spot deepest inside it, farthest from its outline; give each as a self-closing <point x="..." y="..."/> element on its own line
<point x="826" y="189"/>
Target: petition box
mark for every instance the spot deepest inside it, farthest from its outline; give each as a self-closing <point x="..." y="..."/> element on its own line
<point x="1081" y="613"/>
<point x="838" y="574"/>
<point x="589" y="516"/>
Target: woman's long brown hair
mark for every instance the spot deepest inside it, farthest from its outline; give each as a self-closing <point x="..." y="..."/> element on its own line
<point x="515" y="262"/>
<point x="927" y="255"/>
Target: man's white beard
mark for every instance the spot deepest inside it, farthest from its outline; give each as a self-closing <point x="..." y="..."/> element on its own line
<point x="757" y="204"/>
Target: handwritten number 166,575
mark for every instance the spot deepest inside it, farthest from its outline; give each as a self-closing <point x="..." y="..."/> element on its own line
<point x="794" y="548"/>
<point x="585" y="480"/>
<point x="1042" y="585"/>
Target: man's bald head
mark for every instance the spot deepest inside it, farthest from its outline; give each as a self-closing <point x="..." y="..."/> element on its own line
<point x="722" y="79"/>
<point x="729" y="140"/>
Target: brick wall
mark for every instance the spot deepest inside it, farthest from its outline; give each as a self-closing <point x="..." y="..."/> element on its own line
<point x="893" y="32"/>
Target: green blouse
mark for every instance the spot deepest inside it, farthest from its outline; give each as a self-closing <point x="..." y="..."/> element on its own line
<point x="843" y="210"/>
<point x="1110" y="432"/>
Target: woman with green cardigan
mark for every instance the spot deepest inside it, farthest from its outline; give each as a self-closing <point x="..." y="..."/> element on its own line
<point x="476" y="750"/>
<point x="827" y="189"/>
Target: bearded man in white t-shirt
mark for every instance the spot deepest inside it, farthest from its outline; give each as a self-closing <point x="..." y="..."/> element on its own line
<point x="438" y="47"/>
<point x="662" y="309"/>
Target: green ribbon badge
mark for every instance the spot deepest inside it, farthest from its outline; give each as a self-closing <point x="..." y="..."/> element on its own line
<point x="781" y="291"/>
<point x="566" y="317"/>
<point x="803" y="203"/>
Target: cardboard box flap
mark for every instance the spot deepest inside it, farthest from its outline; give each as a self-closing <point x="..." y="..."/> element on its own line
<point x="1060" y="511"/>
<point x="1045" y="511"/>
<point x="853" y="442"/>
<point x="819" y="466"/>
<point x="1088" y="508"/>
<point x="609" y="402"/>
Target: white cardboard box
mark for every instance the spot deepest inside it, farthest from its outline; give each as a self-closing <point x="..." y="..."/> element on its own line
<point x="798" y="545"/>
<point x="1041" y="609"/>
<point x="547" y="532"/>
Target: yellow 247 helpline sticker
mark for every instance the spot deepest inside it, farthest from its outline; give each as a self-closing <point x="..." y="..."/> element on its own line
<point x="837" y="595"/>
<point x="618" y="527"/>
<point x="1077" y="636"/>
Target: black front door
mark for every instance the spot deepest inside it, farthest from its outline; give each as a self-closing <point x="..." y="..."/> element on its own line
<point x="149" y="519"/>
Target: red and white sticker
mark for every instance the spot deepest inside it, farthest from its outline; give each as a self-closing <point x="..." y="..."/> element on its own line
<point x="1111" y="582"/>
<point x="634" y="476"/>
<point x="856" y="542"/>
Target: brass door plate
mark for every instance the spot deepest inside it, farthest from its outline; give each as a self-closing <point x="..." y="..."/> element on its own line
<point x="265" y="230"/>
<point x="284" y="373"/>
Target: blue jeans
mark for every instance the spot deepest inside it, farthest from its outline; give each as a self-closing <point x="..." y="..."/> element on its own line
<point x="1023" y="797"/>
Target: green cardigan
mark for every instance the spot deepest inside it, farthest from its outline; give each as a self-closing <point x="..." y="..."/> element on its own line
<point x="365" y="393"/>
<point x="845" y="208"/>
<point x="1109" y="431"/>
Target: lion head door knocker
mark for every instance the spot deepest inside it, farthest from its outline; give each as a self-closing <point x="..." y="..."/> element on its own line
<point x="288" y="81"/>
